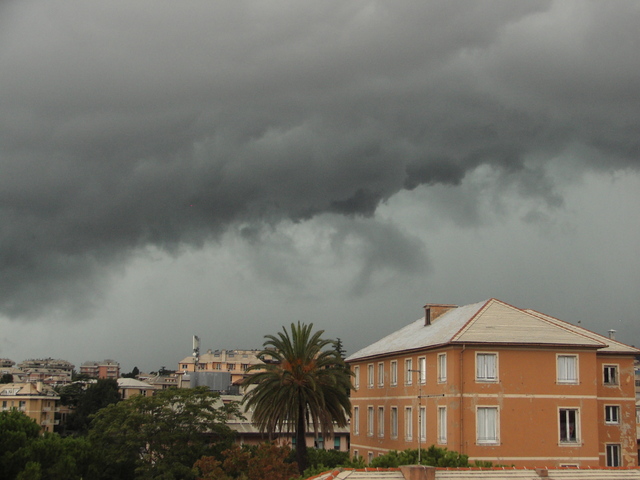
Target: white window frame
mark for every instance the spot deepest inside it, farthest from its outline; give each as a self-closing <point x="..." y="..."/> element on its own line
<point x="613" y="455"/>
<point x="564" y="374"/>
<point x="442" y="368"/>
<point x="370" y="375"/>
<point x="612" y="414"/>
<point x="483" y="369"/>
<point x="381" y="374"/>
<point x="408" y="424"/>
<point x="356" y="377"/>
<point x="394" y="422"/>
<point x="370" y="419"/>
<point x="442" y="425"/>
<point x="422" y="424"/>
<point x="369" y="458"/>
<point x="408" y="367"/>
<point x="607" y="371"/>
<point x="381" y="422"/>
<point x="356" y="420"/>
<point x="422" y="370"/>
<point x="561" y="420"/>
<point x="487" y="428"/>
<point x="393" y="373"/>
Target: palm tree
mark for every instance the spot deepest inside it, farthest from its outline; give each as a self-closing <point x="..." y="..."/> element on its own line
<point x="304" y="384"/>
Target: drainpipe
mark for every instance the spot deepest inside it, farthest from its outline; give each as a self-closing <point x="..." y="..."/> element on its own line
<point x="461" y="400"/>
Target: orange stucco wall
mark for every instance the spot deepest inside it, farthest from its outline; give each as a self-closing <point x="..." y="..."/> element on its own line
<point x="526" y="394"/>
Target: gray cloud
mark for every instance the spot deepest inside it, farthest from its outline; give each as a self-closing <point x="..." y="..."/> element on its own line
<point x="127" y="125"/>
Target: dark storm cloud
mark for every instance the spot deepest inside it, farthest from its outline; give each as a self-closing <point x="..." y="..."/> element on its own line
<point x="126" y="125"/>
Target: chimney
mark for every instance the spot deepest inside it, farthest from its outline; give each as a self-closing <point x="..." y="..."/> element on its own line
<point x="612" y="334"/>
<point x="434" y="310"/>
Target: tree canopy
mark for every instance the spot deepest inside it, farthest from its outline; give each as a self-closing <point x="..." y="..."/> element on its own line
<point x="161" y="436"/>
<point x="306" y="382"/>
<point x="86" y="401"/>
<point x="26" y="454"/>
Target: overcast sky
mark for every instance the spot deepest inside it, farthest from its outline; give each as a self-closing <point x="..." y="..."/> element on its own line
<point x="225" y="168"/>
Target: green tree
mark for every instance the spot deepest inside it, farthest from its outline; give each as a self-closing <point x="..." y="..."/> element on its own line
<point x="161" y="436"/>
<point x="132" y="374"/>
<point x="435" y="456"/>
<point x="87" y="401"/>
<point x="307" y="383"/>
<point x="26" y="454"/>
<point x="6" y="378"/>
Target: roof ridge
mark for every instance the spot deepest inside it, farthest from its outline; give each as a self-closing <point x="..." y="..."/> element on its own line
<point x="585" y="332"/>
<point x="473" y="318"/>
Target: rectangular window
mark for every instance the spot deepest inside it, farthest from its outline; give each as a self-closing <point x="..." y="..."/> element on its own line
<point x="394" y="422"/>
<point x="381" y="374"/>
<point x="22" y="405"/>
<point x="422" y="367"/>
<point x="408" y="423"/>
<point x="356" y="420"/>
<point x="393" y="374"/>
<point x="567" y="369"/>
<point x="408" y="367"/>
<point x="336" y="443"/>
<point x="381" y="421"/>
<point x="569" y="425"/>
<point x="442" y="368"/>
<point x="442" y="425"/>
<point x="422" y="421"/>
<point x="610" y="375"/>
<point x="370" y="375"/>
<point x="612" y="414"/>
<point x="356" y="377"/>
<point x="370" y="457"/>
<point x="487" y="367"/>
<point x="613" y="455"/>
<point x="487" y="425"/>
<point x="370" y="421"/>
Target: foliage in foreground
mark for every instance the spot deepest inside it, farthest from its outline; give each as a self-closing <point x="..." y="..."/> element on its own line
<point x="86" y="401"/>
<point x="161" y="436"/>
<point x="267" y="461"/>
<point x="26" y="454"/>
<point x="308" y="383"/>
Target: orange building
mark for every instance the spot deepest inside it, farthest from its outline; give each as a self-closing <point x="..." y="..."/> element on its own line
<point x="105" y="369"/>
<point x="497" y="383"/>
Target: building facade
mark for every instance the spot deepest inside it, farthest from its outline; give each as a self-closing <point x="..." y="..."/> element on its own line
<point x="497" y="383"/>
<point x="37" y="400"/>
<point x="105" y="369"/>
<point x="51" y="371"/>
<point x="232" y="362"/>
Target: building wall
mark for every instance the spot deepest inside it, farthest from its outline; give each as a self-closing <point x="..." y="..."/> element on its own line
<point x="527" y="397"/>
<point x="40" y="407"/>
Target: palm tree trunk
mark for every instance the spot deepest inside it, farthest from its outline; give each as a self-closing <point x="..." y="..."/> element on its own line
<point x="301" y="438"/>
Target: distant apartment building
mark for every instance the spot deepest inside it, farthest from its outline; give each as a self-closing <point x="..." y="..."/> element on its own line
<point x="221" y="370"/>
<point x="47" y="370"/>
<point x="37" y="400"/>
<point x="161" y="382"/>
<point x="129" y="387"/>
<point x="6" y="363"/>
<point x="497" y="383"/>
<point x="105" y="369"/>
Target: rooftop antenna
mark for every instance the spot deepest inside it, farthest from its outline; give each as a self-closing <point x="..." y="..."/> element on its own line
<point x="196" y="351"/>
